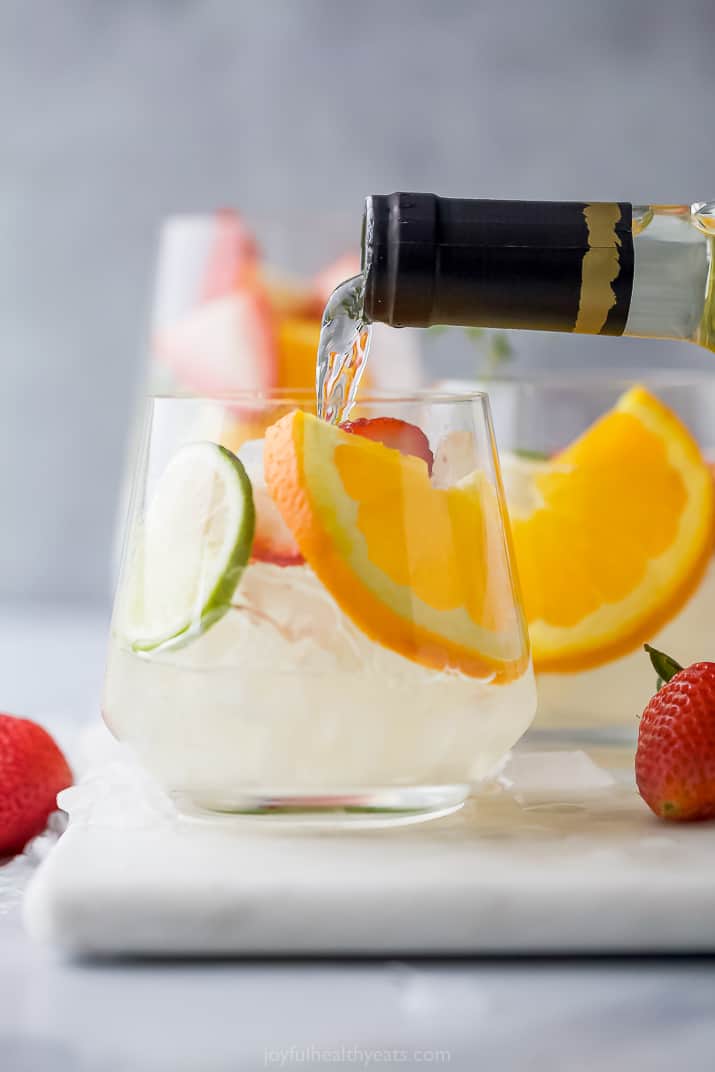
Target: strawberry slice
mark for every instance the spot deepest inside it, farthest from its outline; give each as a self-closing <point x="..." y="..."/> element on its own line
<point x="225" y="345"/>
<point x="333" y="274"/>
<point x="392" y="432"/>
<point x="232" y="259"/>
<point x="272" y="539"/>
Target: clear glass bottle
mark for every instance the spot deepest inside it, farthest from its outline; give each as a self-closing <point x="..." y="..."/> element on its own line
<point x="608" y="268"/>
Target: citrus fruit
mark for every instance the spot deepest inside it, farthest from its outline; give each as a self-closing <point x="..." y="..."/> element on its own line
<point x="420" y="570"/>
<point x="192" y="548"/>
<point x="297" y="339"/>
<point x="612" y="535"/>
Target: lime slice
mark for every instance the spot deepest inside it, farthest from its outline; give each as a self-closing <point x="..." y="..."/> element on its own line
<point x="192" y="549"/>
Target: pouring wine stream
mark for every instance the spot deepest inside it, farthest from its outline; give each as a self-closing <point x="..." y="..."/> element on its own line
<point x="343" y="350"/>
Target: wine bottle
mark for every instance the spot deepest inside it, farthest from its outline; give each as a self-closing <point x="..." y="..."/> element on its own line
<point x="603" y="268"/>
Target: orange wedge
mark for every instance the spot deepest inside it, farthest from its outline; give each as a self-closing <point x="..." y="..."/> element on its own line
<point x="298" y="339"/>
<point x="612" y="535"/>
<point x="422" y="571"/>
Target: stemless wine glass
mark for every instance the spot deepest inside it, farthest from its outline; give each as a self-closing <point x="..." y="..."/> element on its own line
<point x="312" y="620"/>
<point x="608" y="480"/>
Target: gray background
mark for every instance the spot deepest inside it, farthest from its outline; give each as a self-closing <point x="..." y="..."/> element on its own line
<point x="113" y="115"/>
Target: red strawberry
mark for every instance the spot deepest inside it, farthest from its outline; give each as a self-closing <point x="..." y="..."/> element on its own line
<point x="222" y="346"/>
<point x="675" y="759"/>
<point x="32" y="773"/>
<point x="232" y="259"/>
<point x="391" y="432"/>
<point x="272" y="540"/>
<point x="225" y="342"/>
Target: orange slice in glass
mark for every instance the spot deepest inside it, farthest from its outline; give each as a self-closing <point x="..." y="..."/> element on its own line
<point x="612" y="535"/>
<point x="422" y="571"/>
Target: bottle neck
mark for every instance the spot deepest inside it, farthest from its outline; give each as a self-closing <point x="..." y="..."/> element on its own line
<point x="594" y="268"/>
<point x="672" y="278"/>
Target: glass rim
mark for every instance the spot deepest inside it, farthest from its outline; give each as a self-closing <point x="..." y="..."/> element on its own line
<point x="287" y="396"/>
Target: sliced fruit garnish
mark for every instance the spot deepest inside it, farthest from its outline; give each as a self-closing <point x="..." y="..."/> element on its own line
<point x="272" y="540"/>
<point x="421" y="571"/>
<point x="391" y="432"/>
<point x="612" y="535"/>
<point x="232" y="259"/>
<point x="224" y="346"/>
<point x="298" y="339"/>
<point x="193" y="547"/>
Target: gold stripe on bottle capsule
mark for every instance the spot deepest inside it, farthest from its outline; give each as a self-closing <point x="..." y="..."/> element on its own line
<point x="600" y="267"/>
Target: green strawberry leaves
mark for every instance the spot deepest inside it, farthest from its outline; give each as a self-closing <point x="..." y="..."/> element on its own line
<point x="664" y="665"/>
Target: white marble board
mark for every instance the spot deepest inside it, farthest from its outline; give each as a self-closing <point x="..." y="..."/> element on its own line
<point x="557" y="856"/>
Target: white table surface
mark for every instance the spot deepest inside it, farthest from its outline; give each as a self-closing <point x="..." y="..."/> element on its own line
<point x="215" y="1017"/>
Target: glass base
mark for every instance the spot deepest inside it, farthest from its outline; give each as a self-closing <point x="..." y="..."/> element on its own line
<point x="393" y="806"/>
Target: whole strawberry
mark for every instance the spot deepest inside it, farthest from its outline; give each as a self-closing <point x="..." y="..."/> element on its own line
<point x="32" y="773"/>
<point x="675" y="759"/>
